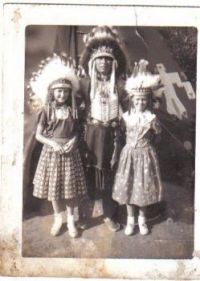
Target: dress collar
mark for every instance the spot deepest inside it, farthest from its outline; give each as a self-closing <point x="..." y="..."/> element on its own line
<point x="142" y="118"/>
<point x="57" y="105"/>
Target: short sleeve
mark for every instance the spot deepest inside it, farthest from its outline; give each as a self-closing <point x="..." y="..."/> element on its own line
<point x="42" y="118"/>
<point x="155" y="125"/>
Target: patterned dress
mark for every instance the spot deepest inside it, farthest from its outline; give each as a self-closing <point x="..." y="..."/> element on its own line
<point x="59" y="176"/>
<point x="137" y="180"/>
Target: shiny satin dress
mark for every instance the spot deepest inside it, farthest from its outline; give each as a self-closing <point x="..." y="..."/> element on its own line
<point x="138" y="180"/>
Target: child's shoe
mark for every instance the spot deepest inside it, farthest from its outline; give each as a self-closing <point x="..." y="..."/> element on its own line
<point x="142" y="225"/>
<point x="58" y="221"/>
<point x="73" y="232"/>
<point x="129" y="230"/>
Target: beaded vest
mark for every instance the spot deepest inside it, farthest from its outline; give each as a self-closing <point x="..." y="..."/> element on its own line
<point x="104" y="104"/>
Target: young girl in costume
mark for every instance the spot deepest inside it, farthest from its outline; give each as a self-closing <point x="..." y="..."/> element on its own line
<point x="137" y="181"/>
<point x="59" y="174"/>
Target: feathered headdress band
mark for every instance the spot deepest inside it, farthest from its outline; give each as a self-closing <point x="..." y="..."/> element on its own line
<point x="104" y="41"/>
<point x="61" y="83"/>
<point x="141" y="82"/>
<point x="102" y="51"/>
<point x="54" y="72"/>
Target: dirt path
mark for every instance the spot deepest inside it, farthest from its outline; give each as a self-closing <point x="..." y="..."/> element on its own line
<point x="171" y="234"/>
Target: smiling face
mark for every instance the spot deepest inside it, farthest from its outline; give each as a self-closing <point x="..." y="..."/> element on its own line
<point x="104" y="65"/>
<point x="61" y="95"/>
<point x="140" y="102"/>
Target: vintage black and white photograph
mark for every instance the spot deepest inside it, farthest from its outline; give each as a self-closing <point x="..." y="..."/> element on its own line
<point x="109" y="141"/>
<point x="99" y="139"/>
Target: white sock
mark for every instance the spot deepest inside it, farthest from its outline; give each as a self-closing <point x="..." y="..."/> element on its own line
<point x="70" y="219"/>
<point x="57" y="218"/>
<point x="130" y="220"/>
<point x="141" y="220"/>
<point x="56" y="224"/>
<point x="73" y="232"/>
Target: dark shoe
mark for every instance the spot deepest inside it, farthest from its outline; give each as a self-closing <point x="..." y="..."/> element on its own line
<point x="112" y="226"/>
<point x="82" y="224"/>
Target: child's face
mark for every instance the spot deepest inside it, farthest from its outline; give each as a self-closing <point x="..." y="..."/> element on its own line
<point x="61" y="95"/>
<point x="140" y="102"/>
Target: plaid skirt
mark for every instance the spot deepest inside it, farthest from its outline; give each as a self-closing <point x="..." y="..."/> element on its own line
<point x="59" y="176"/>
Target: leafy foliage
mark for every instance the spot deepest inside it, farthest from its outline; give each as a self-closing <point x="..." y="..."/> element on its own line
<point x="182" y="42"/>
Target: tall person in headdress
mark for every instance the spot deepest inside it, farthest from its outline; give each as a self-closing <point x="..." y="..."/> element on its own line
<point x="104" y="61"/>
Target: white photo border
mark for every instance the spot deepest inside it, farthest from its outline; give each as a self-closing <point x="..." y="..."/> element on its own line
<point x="16" y="17"/>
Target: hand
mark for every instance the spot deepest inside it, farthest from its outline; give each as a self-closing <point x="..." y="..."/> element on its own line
<point x="57" y="147"/>
<point x="69" y="145"/>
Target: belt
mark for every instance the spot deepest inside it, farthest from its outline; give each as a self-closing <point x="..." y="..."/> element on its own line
<point x="112" y="123"/>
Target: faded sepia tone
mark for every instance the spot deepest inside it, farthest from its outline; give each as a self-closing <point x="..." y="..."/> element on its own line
<point x="171" y="220"/>
<point x="22" y="247"/>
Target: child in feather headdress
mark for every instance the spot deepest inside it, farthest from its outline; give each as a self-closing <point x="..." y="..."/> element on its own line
<point x="59" y="174"/>
<point x="137" y="181"/>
